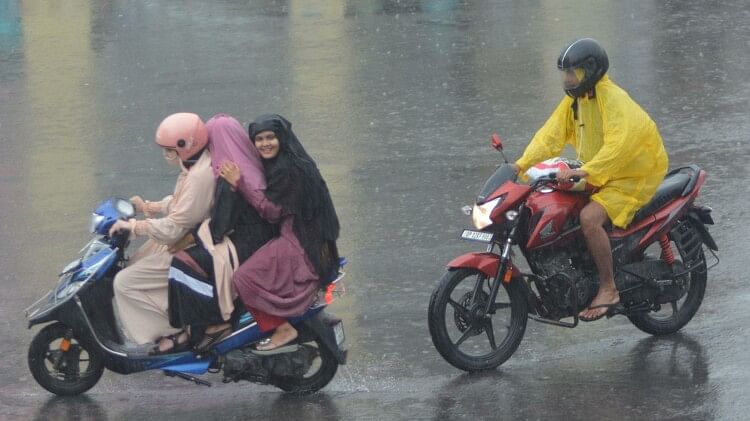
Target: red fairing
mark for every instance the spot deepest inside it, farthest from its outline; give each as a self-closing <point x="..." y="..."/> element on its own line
<point x="556" y="209"/>
<point x="514" y="194"/>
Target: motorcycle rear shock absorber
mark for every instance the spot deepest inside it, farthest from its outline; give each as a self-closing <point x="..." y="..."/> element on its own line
<point x="666" y="249"/>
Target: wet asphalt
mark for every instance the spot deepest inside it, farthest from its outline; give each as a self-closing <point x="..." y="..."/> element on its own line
<point x="396" y="101"/>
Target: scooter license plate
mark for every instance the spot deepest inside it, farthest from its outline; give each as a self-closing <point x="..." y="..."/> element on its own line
<point x="480" y="236"/>
<point x="338" y="331"/>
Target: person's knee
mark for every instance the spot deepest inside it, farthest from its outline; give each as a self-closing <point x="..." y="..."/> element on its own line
<point x="120" y="283"/>
<point x="593" y="217"/>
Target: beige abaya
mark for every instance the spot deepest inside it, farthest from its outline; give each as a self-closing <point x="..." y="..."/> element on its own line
<point x="141" y="292"/>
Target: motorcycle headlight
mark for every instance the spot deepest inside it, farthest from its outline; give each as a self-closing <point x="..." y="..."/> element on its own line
<point x="480" y="215"/>
<point x="96" y="219"/>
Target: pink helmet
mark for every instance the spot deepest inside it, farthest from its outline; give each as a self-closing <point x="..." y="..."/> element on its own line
<point x="184" y="133"/>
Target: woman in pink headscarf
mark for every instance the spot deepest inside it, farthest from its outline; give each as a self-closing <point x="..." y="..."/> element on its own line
<point x="201" y="295"/>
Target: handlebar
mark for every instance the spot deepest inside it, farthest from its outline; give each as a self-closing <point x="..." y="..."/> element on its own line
<point x="574" y="179"/>
<point x="552" y="178"/>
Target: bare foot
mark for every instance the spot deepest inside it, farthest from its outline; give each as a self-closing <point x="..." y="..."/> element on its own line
<point x="598" y="308"/>
<point x="281" y="336"/>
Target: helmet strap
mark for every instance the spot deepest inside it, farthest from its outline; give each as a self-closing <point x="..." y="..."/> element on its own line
<point x="193" y="159"/>
<point x="592" y="92"/>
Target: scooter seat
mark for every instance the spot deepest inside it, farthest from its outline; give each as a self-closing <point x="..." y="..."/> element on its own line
<point x="672" y="187"/>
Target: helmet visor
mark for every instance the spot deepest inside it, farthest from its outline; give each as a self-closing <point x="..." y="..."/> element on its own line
<point x="572" y="78"/>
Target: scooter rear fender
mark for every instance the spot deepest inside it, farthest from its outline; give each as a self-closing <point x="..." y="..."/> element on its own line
<point x="320" y="326"/>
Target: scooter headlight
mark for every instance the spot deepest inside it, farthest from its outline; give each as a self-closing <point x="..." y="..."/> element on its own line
<point x="480" y="215"/>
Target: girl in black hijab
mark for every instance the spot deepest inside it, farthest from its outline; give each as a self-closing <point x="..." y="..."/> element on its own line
<point x="282" y="278"/>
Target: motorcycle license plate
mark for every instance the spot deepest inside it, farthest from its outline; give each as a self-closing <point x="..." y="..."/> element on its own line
<point x="338" y="331"/>
<point x="480" y="236"/>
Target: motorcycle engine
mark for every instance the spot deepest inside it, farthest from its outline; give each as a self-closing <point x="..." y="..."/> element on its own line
<point x="243" y="364"/>
<point x="565" y="288"/>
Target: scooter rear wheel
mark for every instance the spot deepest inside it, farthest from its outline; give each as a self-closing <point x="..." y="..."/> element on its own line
<point x="63" y="373"/>
<point x="322" y="370"/>
<point x="461" y="332"/>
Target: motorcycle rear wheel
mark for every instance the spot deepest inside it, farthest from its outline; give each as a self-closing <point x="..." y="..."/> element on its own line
<point x="322" y="371"/>
<point x="657" y="323"/>
<point x="464" y="320"/>
<point x="63" y="373"/>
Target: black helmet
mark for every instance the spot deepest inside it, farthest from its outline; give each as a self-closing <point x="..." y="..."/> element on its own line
<point x="587" y="55"/>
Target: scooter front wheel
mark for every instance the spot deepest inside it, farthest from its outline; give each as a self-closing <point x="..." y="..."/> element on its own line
<point x="466" y="336"/>
<point x="61" y="364"/>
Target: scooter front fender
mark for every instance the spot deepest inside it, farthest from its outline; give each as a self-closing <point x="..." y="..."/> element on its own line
<point x="484" y="262"/>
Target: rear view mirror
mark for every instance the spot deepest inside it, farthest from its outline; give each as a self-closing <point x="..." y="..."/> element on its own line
<point x="497" y="143"/>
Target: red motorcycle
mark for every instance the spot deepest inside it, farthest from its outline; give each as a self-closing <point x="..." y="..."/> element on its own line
<point x="478" y="312"/>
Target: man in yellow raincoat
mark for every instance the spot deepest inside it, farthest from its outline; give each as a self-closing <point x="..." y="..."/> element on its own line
<point x="622" y="151"/>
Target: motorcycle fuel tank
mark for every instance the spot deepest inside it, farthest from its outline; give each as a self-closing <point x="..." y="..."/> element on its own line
<point x="553" y="216"/>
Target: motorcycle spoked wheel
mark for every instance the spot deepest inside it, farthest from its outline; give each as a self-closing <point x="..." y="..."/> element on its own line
<point x="322" y="370"/>
<point x="673" y="316"/>
<point x="78" y="370"/>
<point x="460" y="333"/>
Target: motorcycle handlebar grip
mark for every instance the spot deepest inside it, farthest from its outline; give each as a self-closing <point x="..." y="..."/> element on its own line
<point x="553" y="176"/>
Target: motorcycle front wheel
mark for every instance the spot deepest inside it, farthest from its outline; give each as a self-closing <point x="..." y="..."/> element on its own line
<point x="462" y="333"/>
<point x="64" y="370"/>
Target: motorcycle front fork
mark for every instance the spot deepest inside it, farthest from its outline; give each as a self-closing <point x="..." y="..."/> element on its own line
<point x="504" y="272"/>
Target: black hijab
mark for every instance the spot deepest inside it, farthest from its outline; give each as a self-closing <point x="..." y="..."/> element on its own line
<point x="295" y="184"/>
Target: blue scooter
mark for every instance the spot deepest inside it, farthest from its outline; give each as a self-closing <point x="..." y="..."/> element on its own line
<point x="69" y="355"/>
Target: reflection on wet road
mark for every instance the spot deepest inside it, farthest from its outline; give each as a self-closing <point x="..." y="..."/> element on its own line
<point x="395" y="100"/>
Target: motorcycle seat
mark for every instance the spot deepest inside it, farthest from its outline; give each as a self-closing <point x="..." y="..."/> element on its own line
<point x="672" y="187"/>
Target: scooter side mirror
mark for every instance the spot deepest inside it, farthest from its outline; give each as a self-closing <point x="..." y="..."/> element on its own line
<point x="496" y="142"/>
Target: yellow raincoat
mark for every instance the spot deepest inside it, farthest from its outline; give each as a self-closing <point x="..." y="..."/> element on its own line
<point x="620" y="146"/>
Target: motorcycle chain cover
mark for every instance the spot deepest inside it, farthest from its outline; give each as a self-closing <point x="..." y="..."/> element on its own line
<point x="645" y="281"/>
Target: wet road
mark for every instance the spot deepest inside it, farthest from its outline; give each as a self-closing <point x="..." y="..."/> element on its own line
<point x="395" y="100"/>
